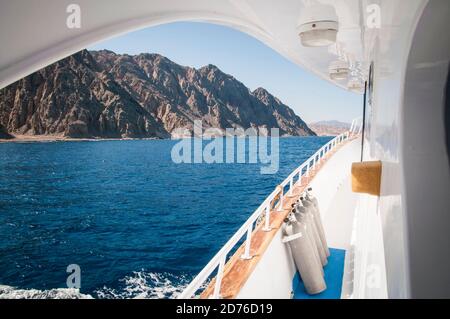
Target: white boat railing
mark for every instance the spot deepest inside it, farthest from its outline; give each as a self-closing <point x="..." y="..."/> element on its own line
<point x="263" y="211"/>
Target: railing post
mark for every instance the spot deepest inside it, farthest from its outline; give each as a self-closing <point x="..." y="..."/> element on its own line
<point x="248" y="242"/>
<point x="267" y="227"/>
<point x="280" y="205"/>
<point x="216" y="294"/>
<point x="291" y="185"/>
<point x="280" y="202"/>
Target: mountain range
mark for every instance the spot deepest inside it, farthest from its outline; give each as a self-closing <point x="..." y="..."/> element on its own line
<point x="101" y="94"/>
<point x="329" y="128"/>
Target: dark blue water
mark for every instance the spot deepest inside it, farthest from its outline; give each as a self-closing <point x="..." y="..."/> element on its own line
<point x="135" y="222"/>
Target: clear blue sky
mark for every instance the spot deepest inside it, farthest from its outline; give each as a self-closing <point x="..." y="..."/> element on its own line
<point x="248" y="60"/>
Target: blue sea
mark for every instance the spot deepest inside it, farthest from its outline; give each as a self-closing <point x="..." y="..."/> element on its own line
<point x="136" y="223"/>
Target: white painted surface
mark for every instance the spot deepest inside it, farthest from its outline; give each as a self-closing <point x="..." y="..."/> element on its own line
<point x="272" y="277"/>
<point x="338" y="218"/>
<point x="389" y="52"/>
<point x="411" y="55"/>
<point x="332" y="188"/>
<point x="426" y="169"/>
<point x="369" y="272"/>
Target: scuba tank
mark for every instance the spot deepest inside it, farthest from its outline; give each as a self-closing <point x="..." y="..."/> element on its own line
<point x="308" y="217"/>
<point x="303" y="255"/>
<point x="311" y="197"/>
<point x="309" y="205"/>
<point x="306" y="227"/>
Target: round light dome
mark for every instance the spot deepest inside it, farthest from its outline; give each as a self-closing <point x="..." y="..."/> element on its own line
<point x="355" y="85"/>
<point x="339" y="70"/>
<point x="318" y="26"/>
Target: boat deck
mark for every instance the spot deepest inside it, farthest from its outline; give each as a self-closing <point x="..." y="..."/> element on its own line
<point x="238" y="270"/>
<point x="334" y="273"/>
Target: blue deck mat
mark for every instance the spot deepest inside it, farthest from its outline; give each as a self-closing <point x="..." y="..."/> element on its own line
<point x="334" y="271"/>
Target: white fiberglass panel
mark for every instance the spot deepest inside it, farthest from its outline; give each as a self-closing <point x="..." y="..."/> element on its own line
<point x="388" y="48"/>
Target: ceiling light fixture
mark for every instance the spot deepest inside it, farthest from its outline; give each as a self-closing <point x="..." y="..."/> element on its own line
<point x="339" y="70"/>
<point x="355" y="85"/>
<point x="318" y="25"/>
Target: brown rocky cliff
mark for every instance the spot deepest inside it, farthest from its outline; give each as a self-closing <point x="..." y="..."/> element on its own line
<point x="103" y="94"/>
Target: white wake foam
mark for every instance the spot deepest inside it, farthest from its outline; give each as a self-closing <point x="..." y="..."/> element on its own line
<point x="139" y="285"/>
<point x="8" y="292"/>
<point x="146" y="285"/>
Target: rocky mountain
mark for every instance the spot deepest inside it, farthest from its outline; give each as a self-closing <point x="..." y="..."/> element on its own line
<point x="329" y="128"/>
<point x="103" y="94"/>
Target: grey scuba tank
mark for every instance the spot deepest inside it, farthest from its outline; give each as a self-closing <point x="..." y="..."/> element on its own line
<point x="308" y="217"/>
<point x="309" y="205"/>
<point x="303" y="255"/>
<point x="311" y="197"/>
<point x="309" y="233"/>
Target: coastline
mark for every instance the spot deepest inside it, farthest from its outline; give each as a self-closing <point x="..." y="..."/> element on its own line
<point x="61" y="138"/>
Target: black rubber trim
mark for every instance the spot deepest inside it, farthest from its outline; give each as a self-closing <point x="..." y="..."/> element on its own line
<point x="447" y="113"/>
<point x="364" y="121"/>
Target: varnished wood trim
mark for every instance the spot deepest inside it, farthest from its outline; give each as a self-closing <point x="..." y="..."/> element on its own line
<point x="366" y="177"/>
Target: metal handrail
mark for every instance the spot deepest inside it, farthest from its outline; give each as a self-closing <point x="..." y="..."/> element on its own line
<point x="219" y="260"/>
